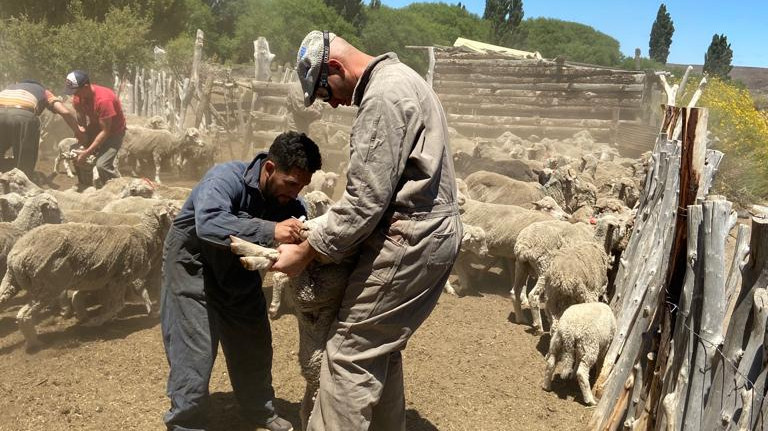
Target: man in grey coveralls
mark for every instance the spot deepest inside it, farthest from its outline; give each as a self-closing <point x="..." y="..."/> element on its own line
<point x="398" y="216"/>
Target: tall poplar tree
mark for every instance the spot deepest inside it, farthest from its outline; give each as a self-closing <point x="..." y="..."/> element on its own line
<point x="661" y="36"/>
<point x="717" y="60"/>
<point x="505" y="17"/>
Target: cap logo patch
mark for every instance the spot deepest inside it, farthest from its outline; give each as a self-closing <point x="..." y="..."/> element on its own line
<point x="302" y="51"/>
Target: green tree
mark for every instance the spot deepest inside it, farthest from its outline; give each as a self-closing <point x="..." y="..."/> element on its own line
<point x="574" y="41"/>
<point x="505" y="17"/>
<point x="661" y="36"/>
<point x="717" y="60"/>
<point x="350" y="10"/>
<point x="284" y="24"/>
<point x="40" y="51"/>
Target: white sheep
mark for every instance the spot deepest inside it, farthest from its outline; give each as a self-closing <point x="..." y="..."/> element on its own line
<point x="52" y="259"/>
<point x="100" y="217"/>
<point x="37" y="210"/>
<point x="137" y="204"/>
<point x="324" y="182"/>
<point x="580" y="342"/>
<point x="533" y="250"/>
<point x="16" y="181"/>
<point x="317" y="294"/>
<point x="10" y="205"/>
<point x="142" y="144"/>
<point x="577" y="274"/>
<point x="474" y="245"/>
<point x="65" y="153"/>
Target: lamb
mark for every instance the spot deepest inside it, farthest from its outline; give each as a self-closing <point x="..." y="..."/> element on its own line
<point x="324" y="182"/>
<point x="51" y="259"/>
<point x="154" y="144"/>
<point x="10" y="205"/>
<point x="65" y="153"/>
<point x="474" y="244"/>
<point x="317" y="203"/>
<point x="37" y="210"/>
<point x="195" y="160"/>
<point x="580" y="342"/>
<point x="317" y="294"/>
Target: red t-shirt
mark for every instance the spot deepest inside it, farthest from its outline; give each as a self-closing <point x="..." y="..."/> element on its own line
<point x="104" y="104"/>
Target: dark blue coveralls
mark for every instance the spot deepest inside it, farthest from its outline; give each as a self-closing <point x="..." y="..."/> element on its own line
<point x="208" y="297"/>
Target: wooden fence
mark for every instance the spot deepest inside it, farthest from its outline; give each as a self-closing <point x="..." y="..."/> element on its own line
<point x="487" y="94"/>
<point x="688" y="351"/>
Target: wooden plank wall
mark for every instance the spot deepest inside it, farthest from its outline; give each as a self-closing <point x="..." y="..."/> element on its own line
<point x="485" y="95"/>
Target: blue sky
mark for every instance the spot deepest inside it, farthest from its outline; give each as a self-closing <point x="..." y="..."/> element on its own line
<point x="744" y="23"/>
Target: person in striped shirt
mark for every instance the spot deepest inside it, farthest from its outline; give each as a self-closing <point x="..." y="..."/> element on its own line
<point x="20" y="107"/>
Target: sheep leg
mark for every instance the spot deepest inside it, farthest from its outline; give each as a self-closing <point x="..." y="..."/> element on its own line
<point x="535" y="303"/>
<point x="26" y="319"/>
<point x="157" y="159"/>
<point x="549" y="373"/>
<point x="521" y="275"/>
<point x="70" y="168"/>
<point x="113" y="300"/>
<point x="448" y="288"/>
<point x="312" y="333"/>
<point x="56" y="163"/>
<point x="140" y="288"/>
<point x="279" y="281"/>
<point x="78" y="305"/>
<point x="582" y="375"/>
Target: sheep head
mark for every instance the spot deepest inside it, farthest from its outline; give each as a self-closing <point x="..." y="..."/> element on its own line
<point x="474" y="240"/>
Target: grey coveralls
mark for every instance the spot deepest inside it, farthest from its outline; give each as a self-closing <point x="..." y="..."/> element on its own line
<point x="208" y="297"/>
<point x="399" y="215"/>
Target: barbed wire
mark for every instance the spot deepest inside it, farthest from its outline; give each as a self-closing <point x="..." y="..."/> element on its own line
<point x="726" y="360"/>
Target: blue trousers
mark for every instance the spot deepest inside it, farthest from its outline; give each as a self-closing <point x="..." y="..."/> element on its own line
<point x="193" y="327"/>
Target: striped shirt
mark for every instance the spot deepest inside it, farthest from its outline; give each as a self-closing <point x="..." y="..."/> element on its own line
<point x="29" y="96"/>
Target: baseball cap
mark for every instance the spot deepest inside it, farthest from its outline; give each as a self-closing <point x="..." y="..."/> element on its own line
<point x="313" y="53"/>
<point x="75" y="81"/>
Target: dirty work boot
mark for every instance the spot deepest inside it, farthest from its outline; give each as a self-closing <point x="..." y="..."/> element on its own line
<point x="276" y="424"/>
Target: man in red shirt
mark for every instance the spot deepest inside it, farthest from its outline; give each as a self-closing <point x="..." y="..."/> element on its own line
<point x="99" y="112"/>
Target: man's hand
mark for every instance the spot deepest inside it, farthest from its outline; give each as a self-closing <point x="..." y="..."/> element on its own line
<point x="288" y="231"/>
<point x="82" y="157"/>
<point x="294" y="258"/>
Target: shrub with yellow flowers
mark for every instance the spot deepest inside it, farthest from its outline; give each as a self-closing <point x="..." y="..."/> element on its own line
<point x="741" y="132"/>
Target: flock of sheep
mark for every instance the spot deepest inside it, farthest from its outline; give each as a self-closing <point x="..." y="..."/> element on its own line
<point x="552" y="215"/>
<point x="555" y="215"/>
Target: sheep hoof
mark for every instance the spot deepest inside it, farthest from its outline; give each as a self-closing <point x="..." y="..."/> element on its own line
<point x="538" y="331"/>
<point x="590" y="402"/>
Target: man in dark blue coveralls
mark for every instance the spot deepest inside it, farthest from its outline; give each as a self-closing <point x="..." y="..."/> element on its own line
<point x="208" y="297"/>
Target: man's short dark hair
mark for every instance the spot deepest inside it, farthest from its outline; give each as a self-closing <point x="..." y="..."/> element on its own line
<point x="295" y="150"/>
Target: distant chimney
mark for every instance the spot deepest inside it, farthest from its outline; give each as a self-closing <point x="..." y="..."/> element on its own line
<point x="637" y="58"/>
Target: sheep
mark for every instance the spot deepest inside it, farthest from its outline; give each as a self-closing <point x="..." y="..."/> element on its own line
<point x="100" y="217"/>
<point x="502" y="224"/>
<point x="154" y="144"/>
<point x="536" y="247"/>
<point x="521" y="170"/>
<point x="37" y="210"/>
<point x="474" y="244"/>
<point x="10" y="205"/>
<point x="137" y="205"/>
<point x="317" y="294"/>
<point x="569" y="281"/>
<point x="16" y="181"/>
<point x="51" y="259"/>
<point x="496" y="188"/>
<point x="65" y="153"/>
<point x="536" y="242"/>
<point x="580" y="342"/>
<point x="324" y="182"/>
<point x="195" y="160"/>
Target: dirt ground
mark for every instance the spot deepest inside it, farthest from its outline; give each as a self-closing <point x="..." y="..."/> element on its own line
<point x="467" y="368"/>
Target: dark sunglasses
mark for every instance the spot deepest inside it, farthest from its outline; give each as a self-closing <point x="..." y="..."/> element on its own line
<point x="323" y="90"/>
